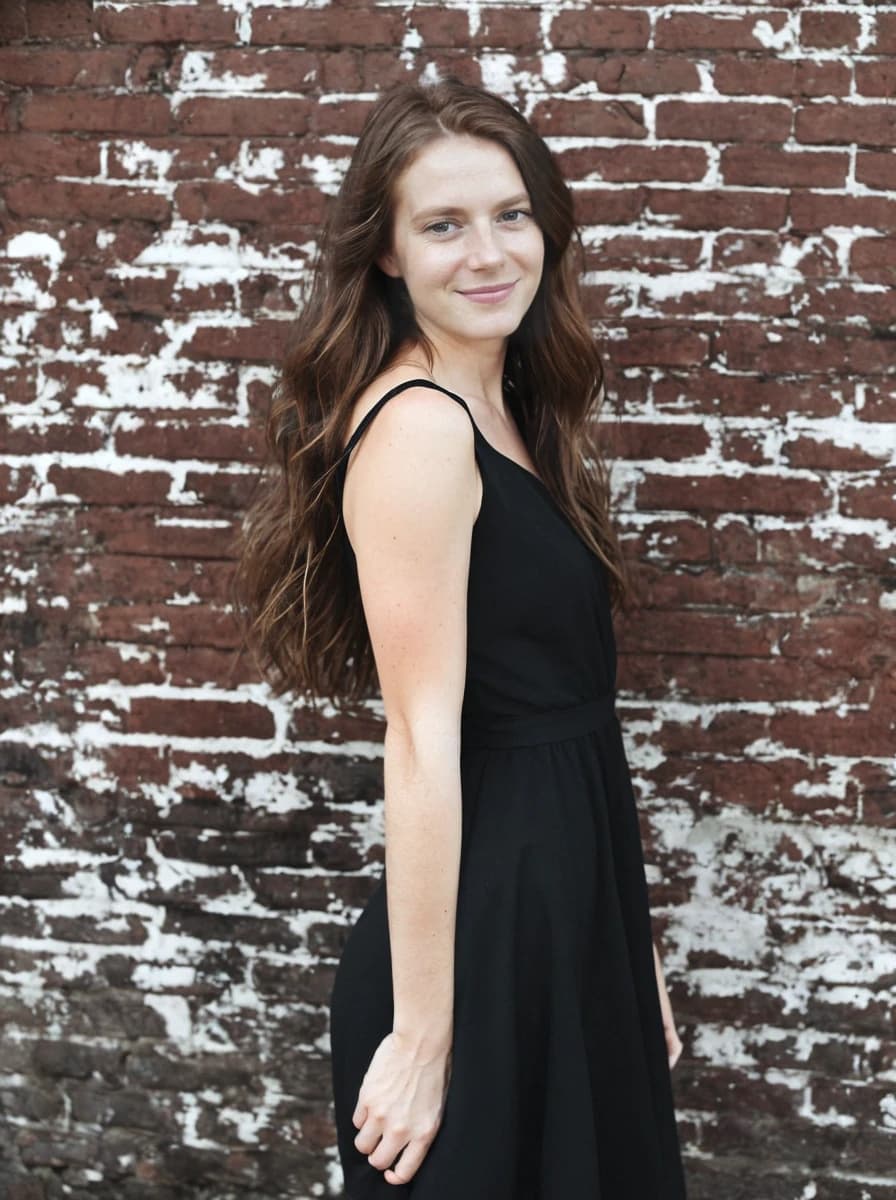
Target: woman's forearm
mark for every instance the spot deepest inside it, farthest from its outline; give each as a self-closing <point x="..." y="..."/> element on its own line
<point x="423" y="840"/>
<point x="658" y="967"/>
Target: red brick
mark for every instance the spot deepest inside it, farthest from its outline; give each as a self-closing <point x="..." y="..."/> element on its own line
<point x="874" y="257"/>
<point x="608" y="206"/>
<point x="588" y="118"/>
<point x="160" y="23"/>
<point x="722" y="122"/>
<point x="338" y="26"/>
<point x="834" y="303"/>
<point x="697" y="31"/>
<point x="60" y="19"/>
<point x="197" y="718"/>
<point x="193" y="158"/>
<point x="864" y="124"/>
<point x="263" y="341"/>
<point x="670" y="540"/>
<point x="223" y="488"/>
<point x="666" y="346"/>
<point x="15" y="482"/>
<point x="853" y="734"/>
<point x="244" y="117"/>
<point x="104" y="487"/>
<point x="873" y="782"/>
<point x="129" y="115"/>
<point x="719" y="209"/>
<point x="876" y="79"/>
<point x="74" y="200"/>
<point x="756" y="591"/>
<point x="824" y="455"/>
<point x="855" y="642"/>
<point x="634" y="251"/>
<point x="749" y="680"/>
<point x="757" y="166"/>
<point x="750" y="492"/>
<point x="876" y="169"/>
<point x="189" y="666"/>
<point x="885" y="31"/>
<point x="748" y="348"/>
<point x="229" y="202"/>
<point x="600" y="29"/>
<point x="147" y="534"/>
<point x="829" y="30"/>
<point x="780" y="77"/>
<point x="642" y="74"/>
<point x="747" y="395"/>
<point x="288" y="70"/>
<point x="631" y="164"/>
<point x="13" y="21"/>
<point x="512" y="27"/>
<point x="817" y="210"/>
<point x="54" y="66"/>
<point x="118" y="576"/>
<point x="46" y="156"/>
<point x="645" y="440"/>
<point x="704" y="633"/>
<point x="764" y="787"/>
<point x="785" y="546"/>
<point x="872" y="498"/>
<point x="166" y="624"/>
<point x="48" y="439"/>
<point x="450" y="28"/>
<point x="878" y="402"/>
<point x="178" y="437"/>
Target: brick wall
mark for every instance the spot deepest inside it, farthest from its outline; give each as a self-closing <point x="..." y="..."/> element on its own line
<point x="182" y="853"/>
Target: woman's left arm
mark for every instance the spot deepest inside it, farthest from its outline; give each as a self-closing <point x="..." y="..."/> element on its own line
<point x="673" y="1041"/>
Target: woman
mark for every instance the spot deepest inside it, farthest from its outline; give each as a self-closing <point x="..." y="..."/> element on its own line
<point x="439" y="518"/>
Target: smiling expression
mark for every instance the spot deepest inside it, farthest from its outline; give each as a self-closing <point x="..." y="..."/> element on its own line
<point x="465" y="240"/>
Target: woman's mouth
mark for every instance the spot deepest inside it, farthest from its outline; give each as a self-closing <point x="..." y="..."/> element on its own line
<point x="490" y="295"/>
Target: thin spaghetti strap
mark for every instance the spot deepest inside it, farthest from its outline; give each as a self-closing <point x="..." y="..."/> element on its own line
<point x="371" y="413"/>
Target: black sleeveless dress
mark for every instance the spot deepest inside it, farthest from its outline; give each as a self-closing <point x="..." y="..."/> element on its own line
<point x="560" y="1086"/>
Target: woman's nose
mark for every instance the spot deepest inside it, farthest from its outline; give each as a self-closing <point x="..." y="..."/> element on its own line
<point x="485" y="250"/>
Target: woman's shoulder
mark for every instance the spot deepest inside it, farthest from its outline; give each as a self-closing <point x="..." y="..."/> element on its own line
<point x="381" y="385"/>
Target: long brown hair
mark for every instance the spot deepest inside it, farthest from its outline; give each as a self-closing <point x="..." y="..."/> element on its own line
<point x="295" y="589"/>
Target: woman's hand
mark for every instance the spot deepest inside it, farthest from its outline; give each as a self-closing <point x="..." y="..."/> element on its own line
<point x="673" y="1041"/>
<point x="400" y="1105"/>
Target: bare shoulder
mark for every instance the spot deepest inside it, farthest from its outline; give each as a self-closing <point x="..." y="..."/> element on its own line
<point x="425" y="399"/>
<point x="414" y="463"/>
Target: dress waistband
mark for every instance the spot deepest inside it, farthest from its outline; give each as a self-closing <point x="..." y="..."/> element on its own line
<point x="547" y="725"/>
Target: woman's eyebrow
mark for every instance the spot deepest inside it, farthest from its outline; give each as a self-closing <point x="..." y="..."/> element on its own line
<point x="451" y="209"/>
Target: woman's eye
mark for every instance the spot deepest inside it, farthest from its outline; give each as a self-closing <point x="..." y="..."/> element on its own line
<point x="440" y="227"/>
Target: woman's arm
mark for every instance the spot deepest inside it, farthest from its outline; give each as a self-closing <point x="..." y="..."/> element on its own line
<point x="673" y="1041"/>
<point x="423" y="826"/>
<point x="409" y="503"/>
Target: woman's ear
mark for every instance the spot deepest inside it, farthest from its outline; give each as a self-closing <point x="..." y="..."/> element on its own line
<point x="387" y="264"/>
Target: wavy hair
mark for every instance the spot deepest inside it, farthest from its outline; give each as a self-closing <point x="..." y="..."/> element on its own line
<point x="295" y="590"/>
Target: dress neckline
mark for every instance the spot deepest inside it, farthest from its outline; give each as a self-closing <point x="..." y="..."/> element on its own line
<point x="494" y="449"/>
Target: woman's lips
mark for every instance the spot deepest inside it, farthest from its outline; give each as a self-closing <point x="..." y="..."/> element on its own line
<point x="490" y="295"/>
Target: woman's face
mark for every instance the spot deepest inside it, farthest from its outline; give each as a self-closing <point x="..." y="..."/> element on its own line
<point x="463" y="223"/>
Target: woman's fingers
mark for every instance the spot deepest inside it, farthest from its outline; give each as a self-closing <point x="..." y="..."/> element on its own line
<point x="389" y="1148"/>
<point x="409" y="1164"/>
<point x="399" y="1108"/>
<point x="370" y="1134"/>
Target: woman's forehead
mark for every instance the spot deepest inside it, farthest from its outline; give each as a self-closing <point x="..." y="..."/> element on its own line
<point x="460" y="170"/>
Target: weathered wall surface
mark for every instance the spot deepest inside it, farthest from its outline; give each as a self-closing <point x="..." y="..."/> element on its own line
<point x="182" y="854"/>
